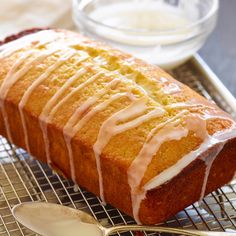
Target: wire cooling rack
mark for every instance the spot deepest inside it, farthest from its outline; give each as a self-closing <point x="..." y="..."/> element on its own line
<point x="23" y="179"/>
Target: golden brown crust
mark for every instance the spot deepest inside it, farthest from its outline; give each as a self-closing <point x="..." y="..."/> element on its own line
<point x="160" y="203"/>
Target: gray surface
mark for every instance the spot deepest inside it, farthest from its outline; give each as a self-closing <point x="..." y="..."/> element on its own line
<point x="220" y="49"/>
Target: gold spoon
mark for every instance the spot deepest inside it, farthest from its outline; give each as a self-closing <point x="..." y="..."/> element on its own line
<point x="50" y="219"/>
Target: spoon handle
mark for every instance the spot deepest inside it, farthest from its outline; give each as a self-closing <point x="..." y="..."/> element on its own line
<point x="165" y="230"/>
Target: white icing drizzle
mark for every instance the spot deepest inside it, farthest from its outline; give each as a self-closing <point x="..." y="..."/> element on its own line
<point x="34" y="85"/>
<point x="171" y="88"/>
<point x="110" y="128"/>
<point x="209" y="160"/>
<point x="68" y="130"/>
<point x="54" y="104"/>
<point x="197" y="124"/>
<point x="72" y="93"/>
<point x="45" y="114"/>
<point x="134" y="176"/>
<point x="9" y="80"/>
<point x="13" y="76"/>
<point x="3" y="93"/>
<point x="163" y="80"/>
<point x="40" y="38"/>
<point x="136" y="171"/>
<point x="131" y="79"/>
<point x="185" y="105"/>
<point x="100" y="60"/>
<point x="155" y="129"/>
<point x="88" y="103"/>
<point x="97" y="109"/>
<point x="138" y="167"/>
<point x="92" y="112"/>
<point x="216" y="115"/>
<point x="211" y="141"/>
<point x="194" y="122"/>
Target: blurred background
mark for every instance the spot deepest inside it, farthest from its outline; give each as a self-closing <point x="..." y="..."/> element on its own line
<point x="219" y="51"/>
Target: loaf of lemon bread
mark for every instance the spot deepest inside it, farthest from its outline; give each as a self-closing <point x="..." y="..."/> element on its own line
<point x="123" y="129"/>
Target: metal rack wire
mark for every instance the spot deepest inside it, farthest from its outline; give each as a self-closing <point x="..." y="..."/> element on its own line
<point x="24" y="179"/>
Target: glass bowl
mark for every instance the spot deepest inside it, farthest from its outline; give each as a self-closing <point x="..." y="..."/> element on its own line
<point x="162" y="32"/>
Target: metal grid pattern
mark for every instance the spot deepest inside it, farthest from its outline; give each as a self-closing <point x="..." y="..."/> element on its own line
<point x="24" y="179"/>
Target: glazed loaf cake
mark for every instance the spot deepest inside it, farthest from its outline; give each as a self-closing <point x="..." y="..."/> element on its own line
<point x="123" y="129"/>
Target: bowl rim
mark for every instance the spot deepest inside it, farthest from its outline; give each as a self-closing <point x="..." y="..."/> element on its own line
<point x="77" y="9"/>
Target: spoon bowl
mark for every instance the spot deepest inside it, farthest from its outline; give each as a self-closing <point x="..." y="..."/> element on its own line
<point x="50" y="219"/>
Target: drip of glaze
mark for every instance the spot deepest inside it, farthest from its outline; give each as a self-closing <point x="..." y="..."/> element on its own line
<point x="234" y="177"/>
<point x="199" y="127"/>
<point x="68" y="130"/>
<point x="34" y="85"/>
<point x="217" y="138"/>
<point x="171" y="130"/>
<point x="197" y="123"/>
<point x="95" y="110"/>
<point x="209" y="160"/>
<point x="45" y="114"/>
<point x="76" y="188"/>
<point x="110" y="128"/>
<point x="13" y="76"/>
<point x="5" y="86"/>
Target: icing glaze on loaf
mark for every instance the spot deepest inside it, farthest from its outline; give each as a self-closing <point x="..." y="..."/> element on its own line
<point x="180" y="119"/>
<point x="169" y="131"/>
<point x="110" y="127"/>
<point x="13" y="76"/>
<point x="216" y="140"/>
<point x="34" y="85"/>
<point x="169" y="88"/>
<point x="69" y="131"/>
<point x="38" y="39"/>
<point x="46" y="112"/>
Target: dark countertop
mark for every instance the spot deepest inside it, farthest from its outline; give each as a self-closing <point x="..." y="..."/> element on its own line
<point x="220" y="50"/>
